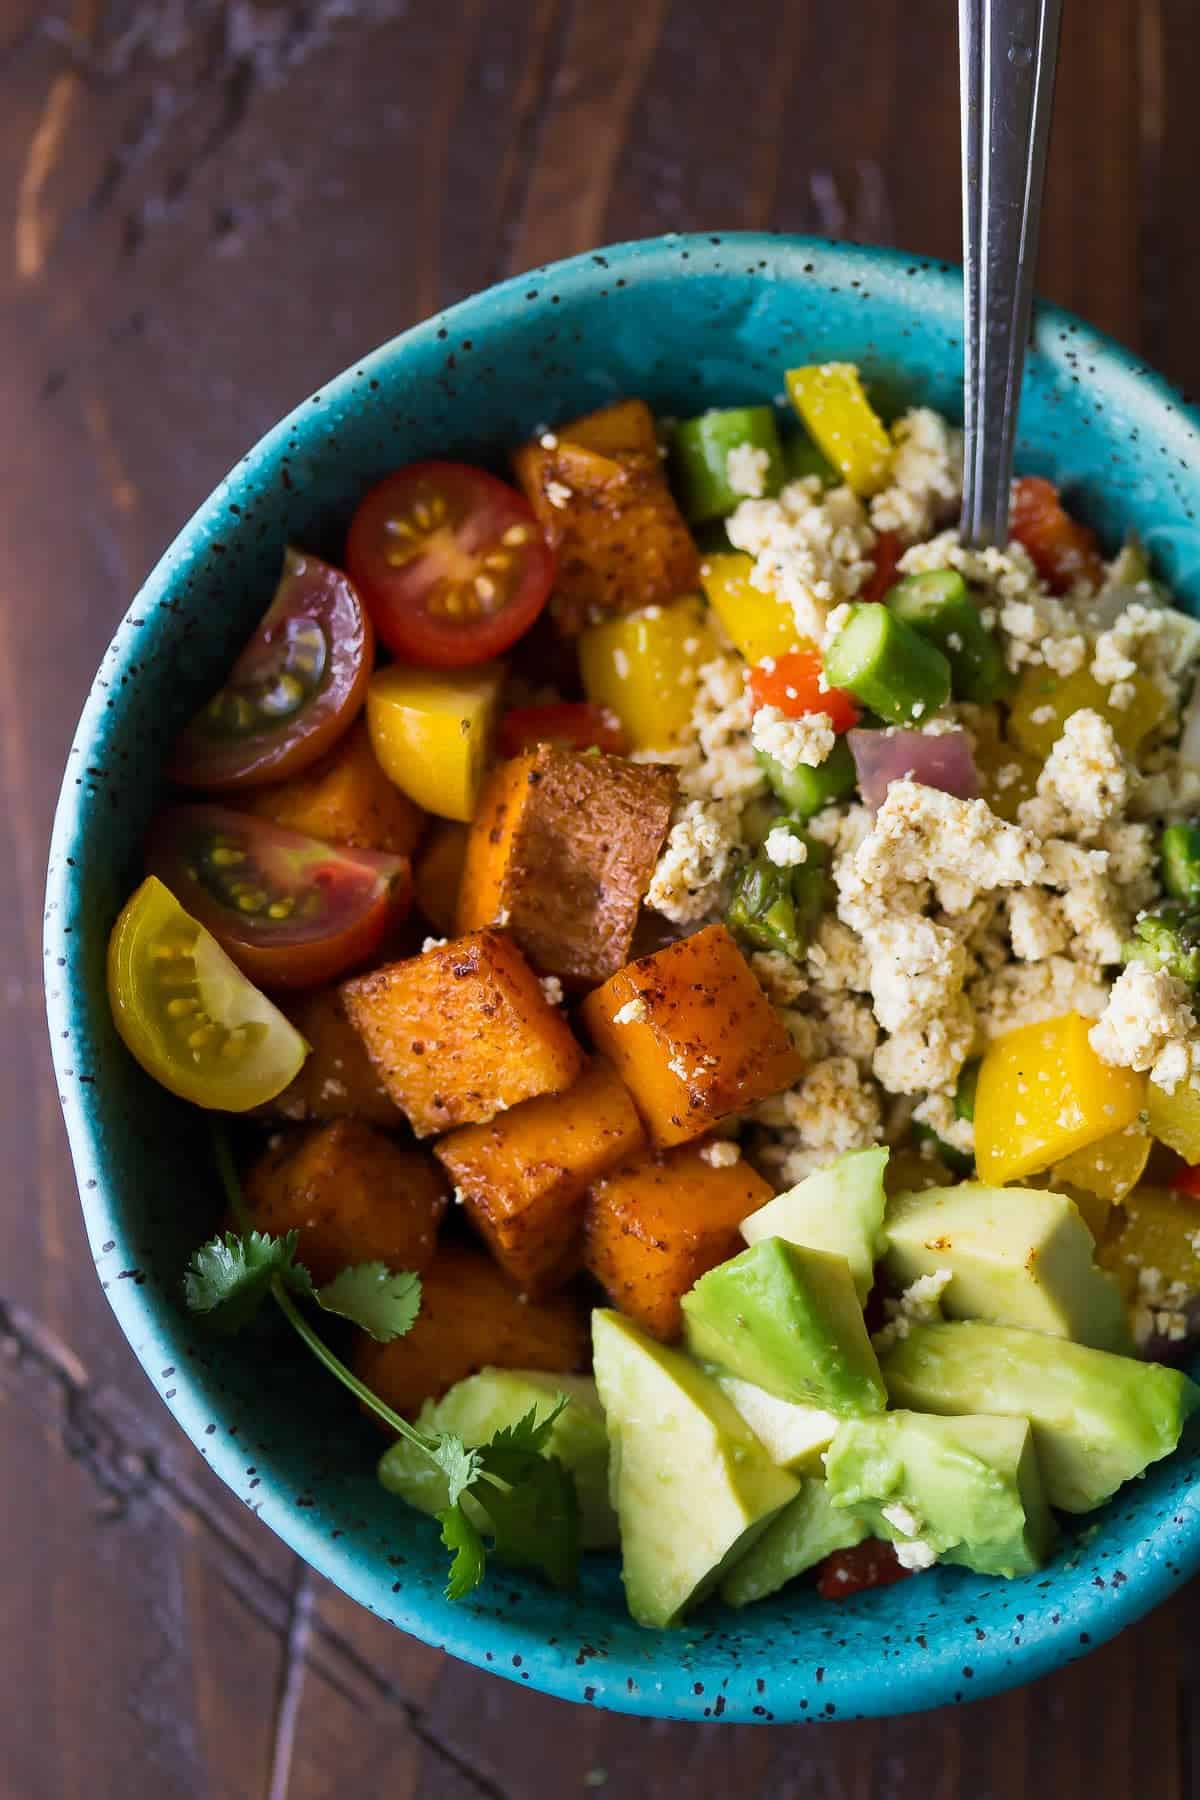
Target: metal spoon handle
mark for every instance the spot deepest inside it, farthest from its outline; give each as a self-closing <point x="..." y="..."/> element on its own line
<point x="1007" y="53"/>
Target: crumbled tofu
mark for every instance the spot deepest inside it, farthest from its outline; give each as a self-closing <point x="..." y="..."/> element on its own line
<point x="917" y="969"/>
<point x="691" y="879"/>
<point x="937" y="1111"/>
<point x="722" y="1153"/>
<point x="1148" y="639"/>
<point x="552" y="988"/>
<point x="1083" y="784"/>
<point x="919" y="1304"/>
<point x="1169" y="790"/>
<point x="746" y="467"/>
<point x="902" y="1518"/>
<point x="837" y="957"/>
<point x="831" y="1109"/>
<point x="926" y="476"/>
<point x="808" y="739"/>
<point x="780" y="978"/>
<point x="716" y="759"/>
<point x="923" y="1058"/>
<point x="1148" y="1025"/>
<point x="784" y="849"/>
<point x="839" y="617"/>
<point x="1028" y="993"/>
<point x="812" y="547"/>
<point x="915" y="1554"/>
<point x="1036" y="924"/>
<point x="632" y="1013"/>
<point x="848" y="1028"/>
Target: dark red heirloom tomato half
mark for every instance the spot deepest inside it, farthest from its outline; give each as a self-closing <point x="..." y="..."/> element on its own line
<point x="289" y="910"/>
<point x="571" y="724"/>
<point x="451" y="563"/>
<point x="869" y="1565"/>
<point x="296" y="687"/>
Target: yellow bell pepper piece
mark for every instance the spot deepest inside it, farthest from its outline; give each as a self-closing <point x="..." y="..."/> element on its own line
<point x="1155" y="1229"/>
<point x="1174" y="1119"/>
<point x="431" y="730"/>
<point x="645" y="666"/>
<point x="1043" y="1093"/>
<point x="1044" y="702"/>
<point x="759" y="624"/>
<point x="1111" y="1167"/>
<point x="830" y="399"/>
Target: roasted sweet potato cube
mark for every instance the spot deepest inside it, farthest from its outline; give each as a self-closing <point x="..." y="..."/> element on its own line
<point x="602" y="500"/>
<point x="692" y="1035"/>
<point x="351" y="1195"/>
<point x="345" y="798"/>
<point x="462" y="1032"/>
<point x="561" y="852"/>
<point x="470" y="1319"/>
<point x="337" y="1079"/>
<point x="523" y="1177"/>
<point x="437" y="875"/>
<point x="654" y="1226"/>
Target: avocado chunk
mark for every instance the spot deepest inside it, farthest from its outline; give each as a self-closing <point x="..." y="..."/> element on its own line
<point x="839" y="1209"/>
<point x="1097" y="1419"/>
<point x="1016" y="1256"/>
<point x="805" y="1533"/>
<point x="792" y="1436"/>
<point x="691" y="1484"/>
<point x="475" y="1409"/>
<point x="963" y="1490"/>
<point x="788" y="1319"/>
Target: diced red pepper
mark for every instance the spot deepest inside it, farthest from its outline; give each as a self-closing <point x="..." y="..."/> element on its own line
<point x="869" y="1565"/>
<point x="1062" y="549"/>
<point x="889" y="548"/>
<point x="570" y="724"/>
<point x="793" y="684"/>
<point x="1186" y="1180"/>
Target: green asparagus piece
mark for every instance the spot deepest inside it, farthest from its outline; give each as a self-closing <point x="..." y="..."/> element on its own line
<point x="1180" y="852"/>
<point x="938" y="604"/>
<point x="959" y="1162"/>
<point x="964" y="1092"/>
<point x="803" y="790"/>
<point x="1168" y="937"/>
<point x="700" y="458"/>
<point x="776" y="907"/>
<point x="887" y="665"/>
<point x="801" y="457"/>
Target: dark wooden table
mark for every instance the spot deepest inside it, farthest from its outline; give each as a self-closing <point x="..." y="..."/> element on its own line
<point x="205" y="209"/>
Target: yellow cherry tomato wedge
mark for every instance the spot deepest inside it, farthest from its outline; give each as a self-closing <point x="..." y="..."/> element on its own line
<point x="432" y="731"/>
<point x="188" y="1015"/>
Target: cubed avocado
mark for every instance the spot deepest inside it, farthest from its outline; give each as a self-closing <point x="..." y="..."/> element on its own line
<point x="839" y="1209"/>
<point x="691" y="1484"/>
<point x="793" y="1436"/>
<point x="788" y="1319"/>
<point x="1098" y="1419"/>
<point x="493" y="1399"/>
<point x="966" y="1490"/>
<point x="1016" y="1256"/>
<point x="804" y="1534"/>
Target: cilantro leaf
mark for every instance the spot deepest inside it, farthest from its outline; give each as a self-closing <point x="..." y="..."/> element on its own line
<point x="382" y="1301"/>
<point x="229" y="1277"/>
<point x="470" y="1556"/>
<point x="512" y="1448"/>
<point x="460" y="1466"/>
<point x="535" y="1523"/>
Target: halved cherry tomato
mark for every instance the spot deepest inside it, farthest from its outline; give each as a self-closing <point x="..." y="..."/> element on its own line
<point x="297" y="686"/>
<point x="188" y="1015"/>
<point x="870" y="1564"/>
<point x="1063" y="550"/>
<point x="889" y="548"/>
<point x="1186" y="1180"/>
<point x="451" y="562"/>
<point x="793" y="684"/>
<point x="290" y="910"/>
<point x="571" y="724"/>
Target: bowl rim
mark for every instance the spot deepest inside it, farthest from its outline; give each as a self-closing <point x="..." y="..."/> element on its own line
<point x="903" y="1686"/>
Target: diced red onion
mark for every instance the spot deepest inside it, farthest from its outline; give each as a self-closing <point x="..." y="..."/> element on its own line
<point x="943" y="761"/>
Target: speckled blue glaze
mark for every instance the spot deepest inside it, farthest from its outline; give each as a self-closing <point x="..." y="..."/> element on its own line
<point x="686" y="322"/>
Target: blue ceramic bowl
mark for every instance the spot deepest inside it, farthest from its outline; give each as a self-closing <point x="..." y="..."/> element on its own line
<point x="687" y="323"/>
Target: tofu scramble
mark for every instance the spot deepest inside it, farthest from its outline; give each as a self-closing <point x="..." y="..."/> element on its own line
<point x="726" y="969"/>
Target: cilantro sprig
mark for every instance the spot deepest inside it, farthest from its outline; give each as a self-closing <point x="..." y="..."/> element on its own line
<point x="527" y="1497"/>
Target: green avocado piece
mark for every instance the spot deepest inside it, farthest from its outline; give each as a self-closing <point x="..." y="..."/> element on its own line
<point x="1098" y="1419"/>
<point x="793" y="1436"/>
<point x="839" y="1209"/>
<point x="1017" y="1256"/>
<point x="966" y="1490"/>
<point x="788" y="1319"/>
<point x="691" y="1484"/>
<point x="475" y="1409"/>
<point x="805" y="1533"/>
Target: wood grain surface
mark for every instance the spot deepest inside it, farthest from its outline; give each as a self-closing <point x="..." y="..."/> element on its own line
<point x="207" y="207"/>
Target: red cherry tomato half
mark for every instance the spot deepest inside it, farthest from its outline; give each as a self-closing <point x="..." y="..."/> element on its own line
<point x="289" y="910"/>
<point x="889" y="548"/>
<point x="296" y="687"/>
<point x="868" y="1565"/>
<point x="1062" y="549"/>
<point x="793" y="684"/>
<point x="571" y="724"/>
<point x="1186" y="1180"/>
<point x="451" y="562"/>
